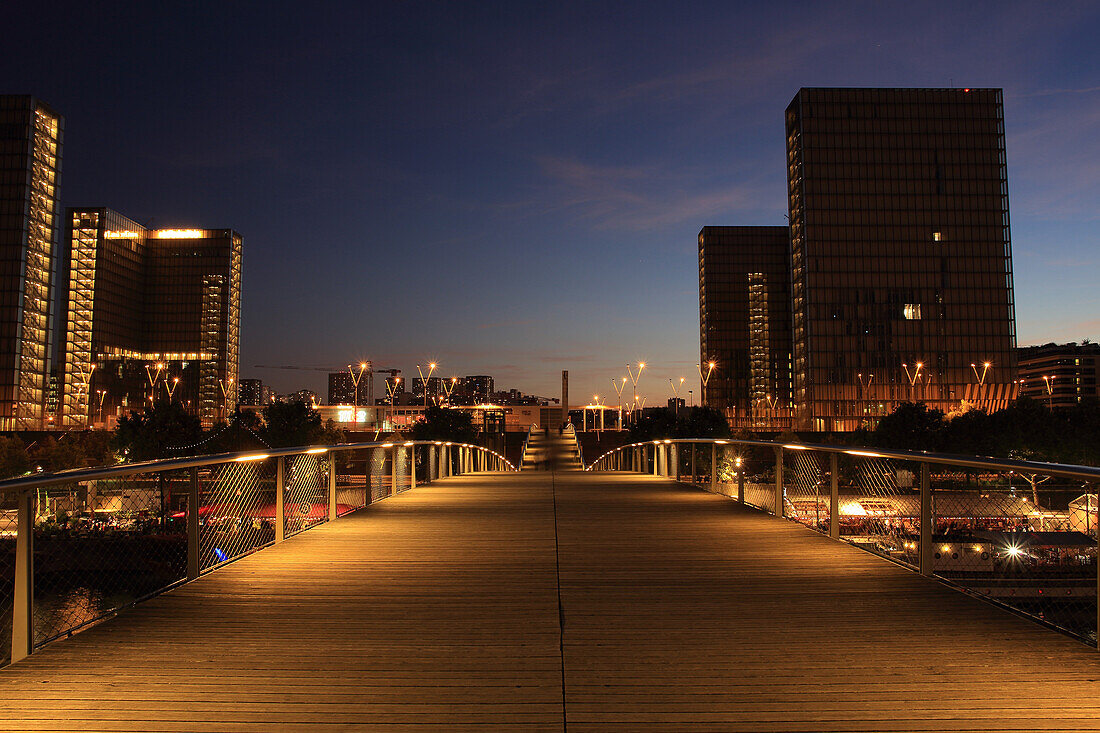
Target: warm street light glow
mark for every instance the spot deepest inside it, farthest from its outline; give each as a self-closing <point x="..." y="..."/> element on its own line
<point x="253" y="457"/>
<point x="314" y="451"/>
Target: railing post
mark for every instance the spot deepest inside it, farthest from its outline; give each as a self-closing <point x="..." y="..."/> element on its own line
<point x="331" y="485"/>
<point x="674" y="455"/>
<point x="741" y="480"/>
<point x="393" y="470"/>
<point x="656" y="460"/>
<point x="834" y="497"/>
<point x="926" y="566"/>
<point x="433" y="463"/>
<point x="193" y="525"/>
<point x="412" y="466"/>
<point x="779" y="482"/>
<point x="280" y="498"/>
<point x="714" y="467"/>
<point x="22" y="629"/>
<point x="692" y="447"/>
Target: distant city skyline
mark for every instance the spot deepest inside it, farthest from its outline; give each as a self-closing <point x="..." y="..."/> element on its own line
<point x="515" y="192"/>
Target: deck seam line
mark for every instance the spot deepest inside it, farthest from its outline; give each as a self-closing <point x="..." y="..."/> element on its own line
<point x="561" y="608"/>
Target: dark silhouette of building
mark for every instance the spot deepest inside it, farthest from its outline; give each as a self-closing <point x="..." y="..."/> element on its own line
<point x="342" y="389"/>
<point x="250" y="392"/>
<point x="478" y="388"/>
<point x="901" y="263"/>
<point x="149" y="315"/>
<point x="30" y="167"/>
<point x="745" y="323"/>
<point x="1060" y="375"/>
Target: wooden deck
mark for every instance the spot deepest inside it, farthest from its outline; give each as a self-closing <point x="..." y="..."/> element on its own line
<point x="439" y="610"/>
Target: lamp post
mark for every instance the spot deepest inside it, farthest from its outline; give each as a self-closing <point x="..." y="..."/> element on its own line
<point x="392" y="389"/>
<point x="676" y="394"/>
<point x="705" y="378"/>
<point x="863" y="392"/>
<point x="1049" y="380"/>
<point x="634" y="377"/>
<point x="102" y="394"/>
<point x="424" y="382"/>
<point x="153" y="378"/>
<point x="619" y="387"/>
<point x="913" y="377"/>
<point x="448" y="391"/>
<point x="980" y="377"/>
<point x="171" y="390"/>
<point x="227" y="388"/>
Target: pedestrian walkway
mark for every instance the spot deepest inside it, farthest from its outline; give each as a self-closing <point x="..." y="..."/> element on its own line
<point x="550" y="601"/>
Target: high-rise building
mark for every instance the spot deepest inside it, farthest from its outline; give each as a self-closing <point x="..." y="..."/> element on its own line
<point x="478" y="388"/>
<point x="30" y="166"/>
<point x="149" y="315"/>
<point x="250" y="392"/>
<point x="901" y="267"/>
<point x="342" y="389"/>
<point x="434" y="387"/>
<point x="745" y="323"/>
<point x="1060" y="375"/>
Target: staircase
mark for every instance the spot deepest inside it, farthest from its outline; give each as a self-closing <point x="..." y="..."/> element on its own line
<point x="552" y="452"/>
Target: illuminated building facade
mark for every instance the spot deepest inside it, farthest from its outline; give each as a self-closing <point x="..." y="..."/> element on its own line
<point x="149" y="315"/>
<point x="901" y="267"/>
<point x="744" y="323"/>
<point x="30" y="140"/>
<point x="1060" y="375"/>
<point x="250" y="392"/>
<point x="479" y="388"/>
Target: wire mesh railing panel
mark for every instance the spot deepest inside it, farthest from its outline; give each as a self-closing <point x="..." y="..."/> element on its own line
<point x="236" y="510"/>
<point x="806" y="488"/>
<point x="353" y="470"/>
<point x="400" y="457"/>
<point x="880" y="506"/>
<point x="305" y="499"/>
<point x="758" y="466"/>
<point x="102" y="545"/>
<point x="8" y="525"/>
<point x="379" y="480"/>
<point x="1024" y="540"/>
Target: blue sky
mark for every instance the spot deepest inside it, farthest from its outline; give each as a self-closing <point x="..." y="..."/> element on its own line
<point x="515" y="188"/>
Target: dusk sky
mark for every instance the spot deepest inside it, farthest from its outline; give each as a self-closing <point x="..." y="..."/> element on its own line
<point x="516" y="188"/>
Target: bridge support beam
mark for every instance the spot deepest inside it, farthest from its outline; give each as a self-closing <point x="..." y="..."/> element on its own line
<point x="193" y="525"/>
<point x="280" y="498"/>
<point x="22" y="630"/>
<point x="926" y="528"/>
<point x="779" y="482"/>
<point x="834" y="497"/>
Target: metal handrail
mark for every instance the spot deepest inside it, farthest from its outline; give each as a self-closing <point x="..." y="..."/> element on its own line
<point x="1084" y="473"/>
<point x="42" y="480"/>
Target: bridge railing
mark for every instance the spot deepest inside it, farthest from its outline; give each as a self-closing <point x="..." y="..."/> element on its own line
<point x="1022" y="534"/>
<point x="78" y="546"/>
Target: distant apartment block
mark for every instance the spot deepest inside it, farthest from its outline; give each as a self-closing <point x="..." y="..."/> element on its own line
<point x="149" y="315"/>
<point x="30" y="166"/>
<point x="250" y="392"/>
<point x="1060" y="375"/>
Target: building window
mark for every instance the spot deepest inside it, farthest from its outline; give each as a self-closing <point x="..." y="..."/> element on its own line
<point x="912" y="311"/>
<point x="937" y="236"/>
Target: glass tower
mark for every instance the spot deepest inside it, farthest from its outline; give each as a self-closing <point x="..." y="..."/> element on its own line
<point x="901" y="266"/>
<point x="30" y="165"/>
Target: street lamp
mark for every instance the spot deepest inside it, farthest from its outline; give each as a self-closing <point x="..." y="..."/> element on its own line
<point x="619" y="387"/>
<point x="153" y="377"/>
<point x="171" y="390"/>
<point x="227" y="388"/>
<point x="913" y="377"/>
<point x="634" y="377"/>
<point x="1049" y="380"/>
<point x="981" y="377"/>
<point x="102" y="394"/>
<point x="424" y="382"/>
<point x="448" y="391"/>
<point x="863" y="391"/>
<point x="705" y="378"/>
<point x="676" y="394"/>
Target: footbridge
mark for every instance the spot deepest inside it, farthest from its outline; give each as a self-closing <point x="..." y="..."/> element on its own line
<point x="695" y="585"/>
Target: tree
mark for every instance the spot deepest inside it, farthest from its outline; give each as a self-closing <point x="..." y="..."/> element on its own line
<point x="445" y="424"/>
<point x="14" y="460"/>
<point x="693" y="422"/>
<point x="912" y="426"/>
<point x="291" y="424"/>
<point x="165" y="430"/>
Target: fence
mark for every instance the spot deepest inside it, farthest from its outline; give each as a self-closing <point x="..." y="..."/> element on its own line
<point x="78" y="546"/>
<point x="1021" y="534"/>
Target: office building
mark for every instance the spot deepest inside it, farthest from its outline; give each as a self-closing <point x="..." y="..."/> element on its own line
<point x="149" y="315"/>
<point x="901" y="267"/>
<point x="30" y="166"/>
<point x="250" y="392"/>
<point x="342" y="388"/>
<point x="479" y="388"/>
<point x="1060" y="375"/>
<point x="745" y="324"/>
<point x="434" y="388"/>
